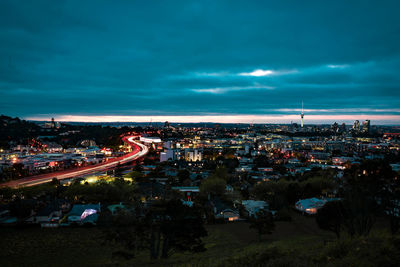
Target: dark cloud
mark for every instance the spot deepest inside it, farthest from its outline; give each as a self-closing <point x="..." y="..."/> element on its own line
<point x="144" y="58"/>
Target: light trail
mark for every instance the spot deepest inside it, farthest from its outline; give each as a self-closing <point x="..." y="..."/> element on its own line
<point x="139" y="150"/>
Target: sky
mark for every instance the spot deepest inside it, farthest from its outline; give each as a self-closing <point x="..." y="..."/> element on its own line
<point x="189" y="61"/>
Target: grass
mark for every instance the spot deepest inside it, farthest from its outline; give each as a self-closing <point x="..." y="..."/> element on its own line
<point x="85" y="246"/>
<point x="53" y="247"/>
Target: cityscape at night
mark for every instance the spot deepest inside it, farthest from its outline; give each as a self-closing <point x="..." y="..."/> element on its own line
<point x="199" y="133"/>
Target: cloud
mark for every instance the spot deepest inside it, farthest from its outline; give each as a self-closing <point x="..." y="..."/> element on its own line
<point x="180" y="57"/>
<point x="211" y="74"/>
<point x="343" y="66"/>
<point x="221" y="90"/>
<point x="258" y="73"/>
<point x="261" y="73"/>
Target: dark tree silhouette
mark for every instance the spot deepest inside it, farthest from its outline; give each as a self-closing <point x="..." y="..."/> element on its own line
<point x="175" y="227"/>
<point x="370" y="189"/>
<point x="263" y="222"/>
<point x="167" y="227"/>
<point x="183" y="175"/>
<point x="330" y="217"/>
<point x="118" y="171"/>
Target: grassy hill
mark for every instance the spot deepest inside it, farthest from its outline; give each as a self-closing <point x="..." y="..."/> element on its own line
<point x="296" y="243"/>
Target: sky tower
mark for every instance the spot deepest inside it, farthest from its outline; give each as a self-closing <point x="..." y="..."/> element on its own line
<point x="302" y="113"/>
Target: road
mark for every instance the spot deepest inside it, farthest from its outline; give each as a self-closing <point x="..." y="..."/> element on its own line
<point x="139" y="150"/>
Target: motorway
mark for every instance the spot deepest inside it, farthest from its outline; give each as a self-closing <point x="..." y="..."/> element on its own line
<point x="139" y="150"/>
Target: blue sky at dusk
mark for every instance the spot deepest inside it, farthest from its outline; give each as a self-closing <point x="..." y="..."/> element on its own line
<point x="210" y="60"/>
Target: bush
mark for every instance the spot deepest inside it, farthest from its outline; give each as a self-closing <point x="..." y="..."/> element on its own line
<point x="283" y="215"/>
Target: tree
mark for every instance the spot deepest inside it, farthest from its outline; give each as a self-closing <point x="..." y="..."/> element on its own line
<point x="213" y="186"/>
<point x="330" y="217"/>
<point x="263" y="222"/>
<point x="181" y="228"/>
<point x="391" y="205"/>
<point x="261" y="161"/>
<point x="128" y="230"/>
<point x="118" y="171"/>
<point x="135" y="174"/>
<point x="148" y="160"/>
<point x="370" y="188"/>
<point x="231" y="163"/>
<point x="293" y="192"/>
<point x="221" y="173"/>
<point x="359" y="212"/>
<point x="167" y="227"/>
<point x="114" y="192"/>
<point x="20" y="208"/>
<point x="183" y="175"/>
<point x="138" y="167"/>
<point x="273" y="192"/>
<point x="55" y="182"/>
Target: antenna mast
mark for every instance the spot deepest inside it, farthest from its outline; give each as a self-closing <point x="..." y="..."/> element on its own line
<point x="302" y="114"/>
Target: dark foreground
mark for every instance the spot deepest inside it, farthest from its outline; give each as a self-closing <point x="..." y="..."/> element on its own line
<point x="296" y="243"/>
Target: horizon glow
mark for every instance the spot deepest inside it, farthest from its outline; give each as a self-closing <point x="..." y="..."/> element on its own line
<point x="263" y="119"/>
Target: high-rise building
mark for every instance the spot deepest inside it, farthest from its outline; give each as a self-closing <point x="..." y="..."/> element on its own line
<point x="356" y="126"/>
<point x="342" y="128"/>
<point x="167" y="155"/>
<point x="51" y="125"/>
<point x="335" y="127"/>
<point x="193" y="155"/>
<point x="366" y="126"/>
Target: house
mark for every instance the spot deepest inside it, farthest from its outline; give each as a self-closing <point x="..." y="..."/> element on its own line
<point x="115" y="208"/>
<point x="228" y="215"/>
<point x="90" y="151"/>
<point x="311" y="205"/>
<point x="5" y="216"/>
<point x="84" y="214"/>
<point x="187" y="203"/>
<point x="229" y="188"/>
<point x="254" y="206"/>
<point x="151" y="189"/>
<point x="298" y="170"/>
<point x="223" y="211"/>
<point x="395" y="167"/>
<point x="244" y="168"/>
<point x="51" y="213"/>
<point x="189" y="191"/>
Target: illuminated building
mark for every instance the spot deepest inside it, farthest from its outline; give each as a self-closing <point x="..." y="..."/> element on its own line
<point x="167" y="155"/>
<point x="193" y="155"/>
<point x="356" y="126"/>
<point x="366" y="126"/>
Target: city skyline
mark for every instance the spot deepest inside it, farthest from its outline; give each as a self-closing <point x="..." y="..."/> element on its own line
<point x="201" y="61"/>
<point x="244" y="119"/>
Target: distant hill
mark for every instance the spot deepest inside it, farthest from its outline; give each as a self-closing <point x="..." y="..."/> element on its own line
<point x="15" y="129"/>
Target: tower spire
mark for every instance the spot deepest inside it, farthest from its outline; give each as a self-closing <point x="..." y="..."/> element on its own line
<point x="302" y="114"/>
